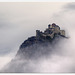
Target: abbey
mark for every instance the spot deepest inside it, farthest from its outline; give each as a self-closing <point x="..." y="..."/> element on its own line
<point x="50" y="32"/>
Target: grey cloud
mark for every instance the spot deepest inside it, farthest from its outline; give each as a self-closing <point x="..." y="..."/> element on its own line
<point x="70" y="6"/>
<point x="17" y="26"/>
<point x="43" y="59"/>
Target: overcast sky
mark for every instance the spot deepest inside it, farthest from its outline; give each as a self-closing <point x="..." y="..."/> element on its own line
<point x="18" y="21"/>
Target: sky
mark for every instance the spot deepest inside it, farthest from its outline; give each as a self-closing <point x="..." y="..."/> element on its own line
<point x="20" y="20"/>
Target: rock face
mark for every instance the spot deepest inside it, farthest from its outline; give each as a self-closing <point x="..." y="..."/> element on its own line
<point x="48" y="35"/>
<point x="30" y="47"/>
<point x="33" y="50"/>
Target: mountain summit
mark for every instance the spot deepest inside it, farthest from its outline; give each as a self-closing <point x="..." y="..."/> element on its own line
<point x="53" y="31"/>
<point x="33" y="51"/>
<point x="51" y="36"/>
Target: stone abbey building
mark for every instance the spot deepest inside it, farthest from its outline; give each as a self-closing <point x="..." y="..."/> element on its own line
<point x="50" y="32"/>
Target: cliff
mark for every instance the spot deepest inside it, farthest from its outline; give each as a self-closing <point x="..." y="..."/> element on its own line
<point x="34" y="49"/>
<point x="30" y="47"/>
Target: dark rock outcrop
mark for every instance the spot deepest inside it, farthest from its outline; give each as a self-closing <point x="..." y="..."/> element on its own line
<point x="33" y="50"/>
<point x="31" y="47"/>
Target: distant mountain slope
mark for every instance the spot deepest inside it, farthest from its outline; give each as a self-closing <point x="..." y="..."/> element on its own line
<point x="32" y="51"/>
<point x="31" y="47"/>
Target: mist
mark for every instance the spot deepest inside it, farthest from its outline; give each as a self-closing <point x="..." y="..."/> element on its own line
<point x="50" y="58"/>
<point x="61" y="59"/>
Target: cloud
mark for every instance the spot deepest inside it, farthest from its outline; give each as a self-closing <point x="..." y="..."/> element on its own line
<point x="63" y="57"/>
<point x="49" y="58"/>
<point x="4" y="60"/>
<point x="70" y="6"/>
<point x="18" y="21"/>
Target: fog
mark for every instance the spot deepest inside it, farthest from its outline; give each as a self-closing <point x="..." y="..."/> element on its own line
<point x="50" y="58"/>
<point x="20" y="20"/>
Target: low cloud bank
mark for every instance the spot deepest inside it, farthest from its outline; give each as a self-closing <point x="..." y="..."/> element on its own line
<point x="62" y="57"/>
